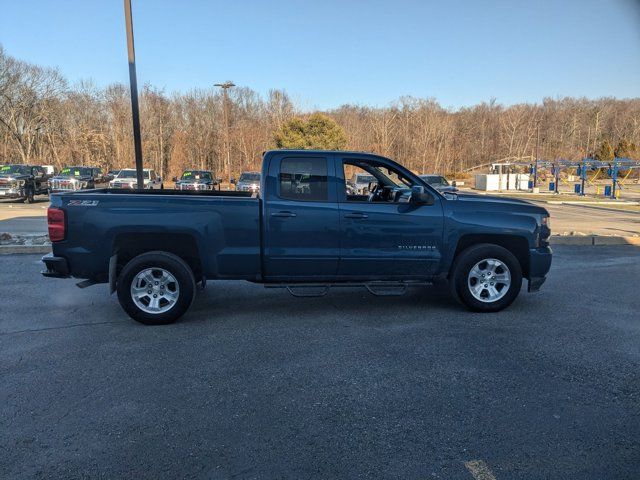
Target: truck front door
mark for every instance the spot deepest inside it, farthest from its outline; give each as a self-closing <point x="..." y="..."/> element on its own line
<point x="383" y="236"/>
<point x="302" y="234"/>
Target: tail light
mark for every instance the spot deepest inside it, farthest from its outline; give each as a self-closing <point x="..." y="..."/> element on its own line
<point x="56" y="223"/>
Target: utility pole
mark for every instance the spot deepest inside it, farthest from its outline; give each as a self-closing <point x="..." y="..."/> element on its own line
<point x="535" y="168"/>
<point x="225" y="113"/>
<point x="135" y="111"/>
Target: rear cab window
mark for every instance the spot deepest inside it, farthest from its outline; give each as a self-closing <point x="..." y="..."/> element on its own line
<point x="303" y="179"/>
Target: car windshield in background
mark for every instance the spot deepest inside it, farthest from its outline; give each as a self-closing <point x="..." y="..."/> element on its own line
<point x="14" y="170"/>
<point x="250" y="177"/>
<point x="75" y="172"/>
<point x="195" y="175"/>
<point x="132" y="174"/>
<point x="435" y="180"/>
<point x="365" y="179"/>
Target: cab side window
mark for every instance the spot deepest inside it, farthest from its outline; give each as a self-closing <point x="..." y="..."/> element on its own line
<point x="304" y="179"/>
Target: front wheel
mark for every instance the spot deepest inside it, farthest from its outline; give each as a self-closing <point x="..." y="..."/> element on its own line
<point x="29" y="195"/>
<point x="156" y="288"/>
<point x="486" y="278"/>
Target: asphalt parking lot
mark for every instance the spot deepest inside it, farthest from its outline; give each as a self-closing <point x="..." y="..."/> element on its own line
<point x="253" y="383"/>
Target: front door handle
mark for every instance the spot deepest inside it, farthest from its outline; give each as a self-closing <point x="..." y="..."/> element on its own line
<point x="283" y="214"/>
<point x="356" y="215"/>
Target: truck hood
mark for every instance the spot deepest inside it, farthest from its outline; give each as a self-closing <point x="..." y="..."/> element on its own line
<point x="493" y="203"/>
<point x="13" y="178"/>
<point x="193" y="182"/>
<point x="83" y="178"/>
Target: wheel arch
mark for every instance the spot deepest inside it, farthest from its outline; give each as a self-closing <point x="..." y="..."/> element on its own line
<point x="516" y="244"/>
<point x="127" y="246"/>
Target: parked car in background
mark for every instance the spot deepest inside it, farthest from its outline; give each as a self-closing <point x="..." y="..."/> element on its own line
<point x="439" y="183"/>
<point x="23" y="182"/>
<point x="360" y="182"/>
<point x="126" y="178"/>
<point x="196" y="180"/>
<point x="77" y="178"/>
<point x="248" y="182"/>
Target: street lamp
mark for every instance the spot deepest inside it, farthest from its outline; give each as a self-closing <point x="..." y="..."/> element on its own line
<point x="225" y="102"/>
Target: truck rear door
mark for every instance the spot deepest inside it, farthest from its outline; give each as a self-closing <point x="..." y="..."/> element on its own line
<point x="301" y="239"/>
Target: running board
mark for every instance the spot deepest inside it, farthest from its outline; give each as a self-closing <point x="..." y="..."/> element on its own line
<point x="377" y="288"/>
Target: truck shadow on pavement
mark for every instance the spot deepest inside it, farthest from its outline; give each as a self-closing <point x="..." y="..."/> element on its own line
<point x="240" y="302"/>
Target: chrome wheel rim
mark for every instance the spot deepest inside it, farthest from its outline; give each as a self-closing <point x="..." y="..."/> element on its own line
<point x="489" y="280"/>
<point x="155" y="290"/>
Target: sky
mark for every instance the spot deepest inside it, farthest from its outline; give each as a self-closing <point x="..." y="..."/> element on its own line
<point x="326" y="53"/>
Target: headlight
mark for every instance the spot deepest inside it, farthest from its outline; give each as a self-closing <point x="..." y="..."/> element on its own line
<point x="545" y="231"/>
<point x="546" y="222"/>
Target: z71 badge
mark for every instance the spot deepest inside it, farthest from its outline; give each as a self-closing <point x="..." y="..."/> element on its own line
<point x="83" y="203"/>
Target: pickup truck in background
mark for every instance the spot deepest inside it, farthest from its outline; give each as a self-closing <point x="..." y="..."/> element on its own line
<point x="305" y="230"/>
<point x="23" y="182"/>
<point x="77" y="178"/>
<point x="126" y="178"/>
<point x="248" y="182"/>
<point x="196" y="180"/>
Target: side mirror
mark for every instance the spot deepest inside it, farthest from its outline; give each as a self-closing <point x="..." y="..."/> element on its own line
<point x="159" y="179"/>
<point x="232" y="181"/>
<point x="420" y="196"/>
<point x="454" y="184"/>
<point x="174" y="179"/>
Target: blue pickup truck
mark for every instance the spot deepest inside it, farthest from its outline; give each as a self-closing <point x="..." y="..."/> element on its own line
<point x="306" y="231"/>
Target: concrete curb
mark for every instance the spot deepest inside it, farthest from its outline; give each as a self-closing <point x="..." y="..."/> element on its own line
<point x="593" y="240"/>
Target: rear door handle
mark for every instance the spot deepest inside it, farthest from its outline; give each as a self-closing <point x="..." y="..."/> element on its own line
<point x="356" y="215"/>
<point x="283" y="214"/>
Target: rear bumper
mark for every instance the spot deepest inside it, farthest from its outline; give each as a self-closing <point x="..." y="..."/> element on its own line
<point x="57" y="267"/>
<point x="539" y="265"/>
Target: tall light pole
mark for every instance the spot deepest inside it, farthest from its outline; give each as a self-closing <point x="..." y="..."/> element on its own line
<point x="225" y="112"/>
<point x="535" y="171"/>
<point x="135" y="111"/>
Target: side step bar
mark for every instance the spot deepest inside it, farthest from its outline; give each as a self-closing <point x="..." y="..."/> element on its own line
<point x="377" y="288"/>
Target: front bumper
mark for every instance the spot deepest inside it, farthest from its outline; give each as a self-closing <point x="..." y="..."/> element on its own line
<point x="11" y="193"/>
<point x="57" y="267"/>
<point x="539" y="265"/>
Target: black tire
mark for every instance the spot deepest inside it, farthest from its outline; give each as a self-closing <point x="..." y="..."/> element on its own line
<point x="467" y="259"/>
<point x="29" y="195"/>
<point x="161" y="260"/>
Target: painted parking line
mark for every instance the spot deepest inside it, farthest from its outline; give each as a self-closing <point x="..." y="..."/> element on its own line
<point x="480" y="470"/>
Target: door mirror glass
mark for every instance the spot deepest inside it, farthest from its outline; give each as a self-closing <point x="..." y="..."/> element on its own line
<point x="420" y="196"/>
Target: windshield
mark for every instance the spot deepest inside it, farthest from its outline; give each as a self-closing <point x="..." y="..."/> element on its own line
<point x="132" y="174"/>
<point x="75" y="172"/>
<point x="250" y="177"/>
<point x="14" y="169"/>
<point x="196" y="175"/>
<point x="367" y="179"/>
<point x="435" y="180"/>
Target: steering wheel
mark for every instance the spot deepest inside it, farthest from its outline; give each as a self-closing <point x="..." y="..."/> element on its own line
<point x="375" y="193"/>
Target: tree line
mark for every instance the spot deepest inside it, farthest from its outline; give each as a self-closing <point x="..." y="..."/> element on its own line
<point x="45" y="120"/>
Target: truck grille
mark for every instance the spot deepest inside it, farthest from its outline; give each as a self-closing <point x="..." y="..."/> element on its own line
<point x="63" y="185"/>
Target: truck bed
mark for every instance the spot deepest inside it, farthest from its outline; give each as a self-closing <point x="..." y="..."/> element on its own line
<point x="223" y="227"/>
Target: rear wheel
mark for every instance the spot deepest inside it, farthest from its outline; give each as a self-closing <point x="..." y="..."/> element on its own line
<point x="486" y="278"/>
<point x="156" y="288"/>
